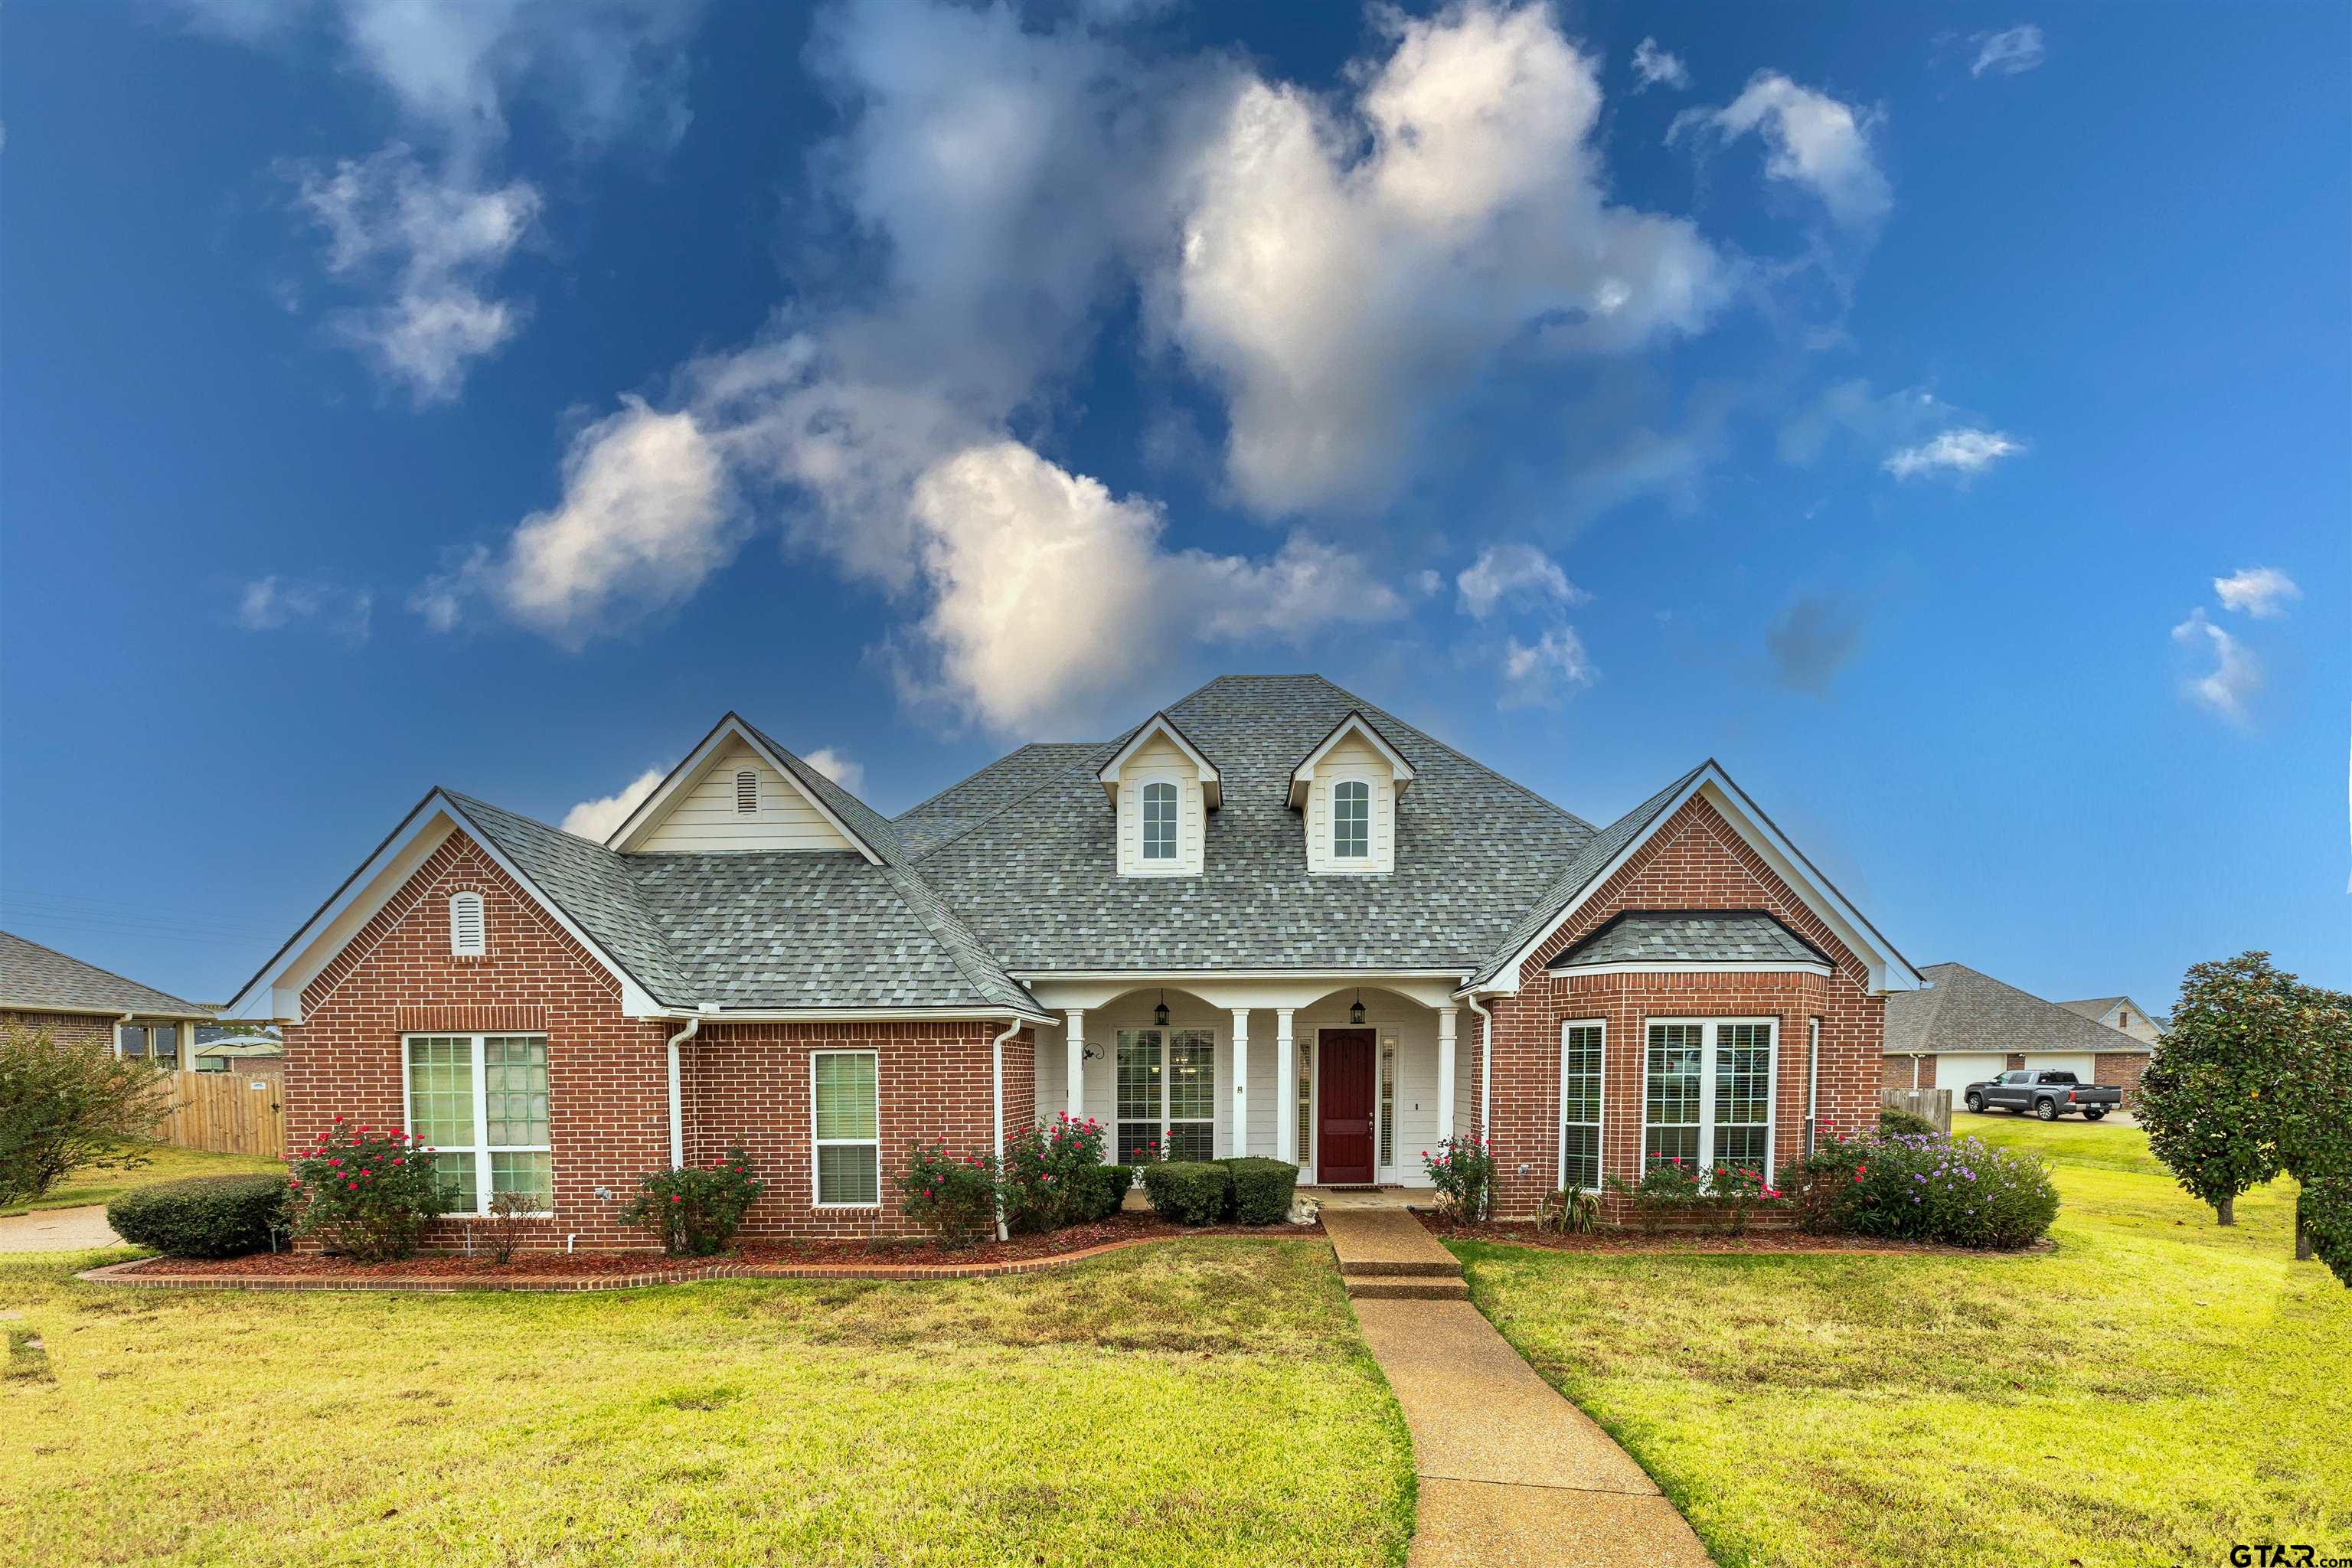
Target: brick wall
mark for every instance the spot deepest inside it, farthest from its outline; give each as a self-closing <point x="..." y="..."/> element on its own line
<point x="2121" y="1067"/>
<point x="1899" y="1069"/>
<point x="64" y="1028"/>
<point x="608" y="1089"/>
<point x="1694" y="861"/>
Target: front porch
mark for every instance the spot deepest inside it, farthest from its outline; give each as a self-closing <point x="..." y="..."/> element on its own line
<point x="1349" y="1078"/>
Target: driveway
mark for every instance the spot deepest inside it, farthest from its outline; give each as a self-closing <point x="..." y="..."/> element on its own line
<point x="57" y="1230"/>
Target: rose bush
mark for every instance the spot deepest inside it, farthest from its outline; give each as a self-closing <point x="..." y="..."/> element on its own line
<point x="1462" y="1172"/>
<point x="1046" y="1180"/>
<point x="697" y="1212"/>
<point x="365" y="1191"/>
<point x="953" y="1194"/>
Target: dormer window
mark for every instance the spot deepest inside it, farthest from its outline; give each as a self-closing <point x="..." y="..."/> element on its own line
<point x="747" y="792"/>
<point x="1352" y="820"/>
<point x="1159" y="821"/>
<point x="467" y="938"/>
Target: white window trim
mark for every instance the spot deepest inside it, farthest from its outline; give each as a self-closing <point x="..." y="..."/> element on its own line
<point x="816" y="1199"/>
<point x="1218" y="1047"/>
<point x="1709" y="1029"/>
<point x="1352" y="860"/>
<point x="1600" y="1121"/>
<point x="481" y="1148"/>
<point x="481" y="924"/>
<point x="1175" y="822"/>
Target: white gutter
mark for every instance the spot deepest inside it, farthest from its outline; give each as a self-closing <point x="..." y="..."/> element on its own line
<point x="1485" y="1069"/>
<point x="996" y="1093"/>
<point x="676" y="1112"/>
<point x="1813" y="1080"/>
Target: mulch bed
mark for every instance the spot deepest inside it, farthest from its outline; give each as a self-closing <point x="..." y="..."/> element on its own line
<point x="1521" y="1232"/>
<point x="879" y="1259"/>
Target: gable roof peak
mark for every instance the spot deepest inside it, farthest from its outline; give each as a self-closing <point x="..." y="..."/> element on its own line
<point x="1160" y="725"/>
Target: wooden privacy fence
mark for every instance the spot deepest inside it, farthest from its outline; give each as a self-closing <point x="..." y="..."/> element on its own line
<point x="1935" y="1104"/>
<point x="224" y="1112"/>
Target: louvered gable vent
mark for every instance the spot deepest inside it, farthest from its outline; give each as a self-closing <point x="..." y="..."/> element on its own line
<point x="466" y="935"/>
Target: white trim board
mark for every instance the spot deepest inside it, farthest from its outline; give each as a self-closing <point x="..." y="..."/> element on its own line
<point x="1401" y="771"/>
<point x="1693" y="966"/>
<point x="730" y="728"/>
<point x="1160" y="725"/>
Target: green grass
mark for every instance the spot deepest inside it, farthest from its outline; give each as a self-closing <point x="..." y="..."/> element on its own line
<point x="2153" y="1390"/>
<point x="1197" y="1402"/>
<point x="98" y="1184"/>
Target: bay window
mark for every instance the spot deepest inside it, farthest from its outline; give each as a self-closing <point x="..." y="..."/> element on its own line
<point x="1707" y="1094"/>
<point x="480" y="1103"/>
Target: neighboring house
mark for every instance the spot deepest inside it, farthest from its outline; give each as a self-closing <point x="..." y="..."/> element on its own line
<point x="1270" y="920"/>
<point x="79" y="1003"/>
<point x="1969" y="1027"/>
<point x="223" y="1049"/>
<point x="2119" y="1013"/>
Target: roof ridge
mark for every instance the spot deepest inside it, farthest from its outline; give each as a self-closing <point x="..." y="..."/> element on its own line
<point x="1458" y="755"/>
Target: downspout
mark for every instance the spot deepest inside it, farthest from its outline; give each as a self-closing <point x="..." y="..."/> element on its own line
<point x="1813" y="1080"/>
<point x="996" y="1095"/>
<point x="1486" y="1070"/>
<point x="676" y="1112"/>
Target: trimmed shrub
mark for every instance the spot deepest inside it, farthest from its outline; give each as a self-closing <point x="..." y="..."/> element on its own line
<point x="203" y="1217"/>
<point x="953" y="1194"/>
<point x="1262" y="1189"/>
<point x="368" y="1192"/>
<point x="1892" y="1122"/>
<point x="697" y="1212"/>
<point x="1108" y="1189"/>
<point x="1190" y="1192"/>
<point x="1961" y="1191"/>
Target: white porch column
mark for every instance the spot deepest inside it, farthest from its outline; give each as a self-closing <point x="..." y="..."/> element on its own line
<point x="1241" y="1082"/>
<point x="1445" y="1017"/>
<point x="1075" y="1041"/>
<point x="1286" y="1089"/>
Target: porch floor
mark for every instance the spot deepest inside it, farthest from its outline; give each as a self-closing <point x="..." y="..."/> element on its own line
<point x="1388" y="1198"/>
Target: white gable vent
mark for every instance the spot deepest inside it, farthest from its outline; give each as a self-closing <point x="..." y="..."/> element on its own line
<point x="465" y="938"/>
<point x="747" y="791"/>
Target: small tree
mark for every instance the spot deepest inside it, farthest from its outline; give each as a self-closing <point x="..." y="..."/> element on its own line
<point x="2309" y="1094"/>
<point x="62" y="1107"/>
<point x="2201" y="1097"/>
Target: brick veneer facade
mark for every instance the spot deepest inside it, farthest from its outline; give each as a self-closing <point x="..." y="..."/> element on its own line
<point x="1695" y="861"/>
<point x="64" y="1028"/>
<point x="608" y="1073"/>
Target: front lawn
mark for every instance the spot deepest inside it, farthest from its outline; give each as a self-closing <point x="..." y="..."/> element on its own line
<point x="1196" y="1402"/>
<point x="2154" y="1390"/>
<point x="99" y="1184"/>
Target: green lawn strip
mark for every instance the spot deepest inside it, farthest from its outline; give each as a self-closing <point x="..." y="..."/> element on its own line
<point x="2155" y="1389"/>
<point x="1193" y="1402"/>
<point x="98" y="1184"/>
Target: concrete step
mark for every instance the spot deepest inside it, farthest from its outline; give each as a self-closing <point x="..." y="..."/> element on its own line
<point x="1443" y="1268"/>
<point x="1407" y="1287"/>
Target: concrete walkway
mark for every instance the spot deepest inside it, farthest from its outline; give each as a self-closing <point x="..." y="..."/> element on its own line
<point x="57" y="1230"/>
<point x="1509" y="1472"/>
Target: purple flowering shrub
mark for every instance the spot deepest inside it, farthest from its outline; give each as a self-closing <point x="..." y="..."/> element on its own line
<point x="1916" y="1186"/>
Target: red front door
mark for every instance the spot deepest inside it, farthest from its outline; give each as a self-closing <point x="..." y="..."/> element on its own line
<point x="1344" y="1129"/>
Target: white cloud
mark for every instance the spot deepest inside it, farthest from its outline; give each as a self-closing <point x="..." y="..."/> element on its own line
<point x="2260" y="592"/>
<point x="1817" y="143"/>
<point x="1519" y="574"/>
<point x="1428" y="582"/>
<point x="2008" y="52"/>
<point x="648" y="515"/>
<point x="1653" y="67"/>
<point x="434" y="247"/>
<point x="836" y="764"/>
<point x="274" y="603"/>
<point x="2236" y="674"/>
<point x="1955" y="454"/>
<point x="596" y="819"/>
<point x="1340" y="302"/>
<point x="1533" y="673"/>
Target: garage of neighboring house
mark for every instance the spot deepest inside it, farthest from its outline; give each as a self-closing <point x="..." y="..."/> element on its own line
<point x="1969" y="1027"/>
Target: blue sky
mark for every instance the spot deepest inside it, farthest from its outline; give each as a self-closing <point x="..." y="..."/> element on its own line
<point x="1938" y="416"/>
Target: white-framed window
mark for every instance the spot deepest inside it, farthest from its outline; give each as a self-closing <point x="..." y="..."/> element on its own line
<point x="1581" y="1052"/>
<point x="479" y="1102"/>
<point x="1386" y="1153"/>
<point x="468" y="934"/>
<point x="747" y="792"/>
<point x="1159" y="821"/>
<point x="150" y="1041"/>
<point x="1167" y="1093"/>
<point x="1352" y="820"/>
<point x="1306" y="1104"/>
<point x="846" y="1110"/>
<point x="1707" y="1094"/>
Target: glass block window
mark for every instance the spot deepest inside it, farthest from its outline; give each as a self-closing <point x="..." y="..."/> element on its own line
<point x="1580" y="1105"/>
<point x="1168" y="1092"/>
<point x="1160" y="822"/>
<point x="1708" y="1094"/>
<point x="480" y="1103"/>
<point x="1352" y="820"/>
<point x="848" y="1128"/>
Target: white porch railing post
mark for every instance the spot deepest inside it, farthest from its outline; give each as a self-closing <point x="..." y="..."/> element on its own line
<point x="1075" y="1047"/>
<point x="1241" y="1082"/>
<point x="1286" y="1089"/>
<point x="1445" y="1017"/>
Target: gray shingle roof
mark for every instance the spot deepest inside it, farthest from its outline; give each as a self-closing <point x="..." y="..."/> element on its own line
<point x="1691" y="936"/>
<point x="33" y="977"/>
<point x="2097" y="1007"/>
<point x="1037" y="875"/>
<point x="1966" y="1010"/>
<point x="923" y="828"/>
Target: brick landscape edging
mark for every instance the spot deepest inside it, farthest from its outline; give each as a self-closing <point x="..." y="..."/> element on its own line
<point x="133" y="1273"/>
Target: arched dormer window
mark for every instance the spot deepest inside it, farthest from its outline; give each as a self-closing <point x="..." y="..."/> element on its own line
<point x="747" y="792"/>
<point x="468" y="938"/>
<point x="1159" y="821"/>
<point x="1352" y="820"/>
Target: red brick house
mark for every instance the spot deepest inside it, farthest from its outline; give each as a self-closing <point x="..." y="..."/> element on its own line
<point x="1269" y="920"/>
